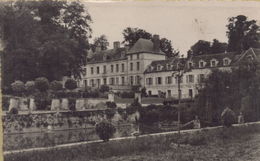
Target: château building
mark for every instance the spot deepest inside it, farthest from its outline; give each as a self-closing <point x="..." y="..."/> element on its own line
<point x="146" y="65"/>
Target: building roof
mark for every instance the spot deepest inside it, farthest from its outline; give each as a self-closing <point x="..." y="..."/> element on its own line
<point x="163" y="65"/>
<point x="108" y="55"/>
<point x="144" y="46"/>
<point x="219" y="57"/>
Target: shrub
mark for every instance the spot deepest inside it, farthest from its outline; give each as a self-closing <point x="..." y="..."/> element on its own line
<point x="70" y="84"/>
<point x="30" y="86"/>
<point x="110" y="113"/>
<point x="127" y="94"/>
<point x="228" y="117"/>
<point x="18" y="87"/>
<point x="105" y="130"/>
<point x="56" y="85"/>
<point x="42" y="100"/>
<point x="13" y="111"/>
<point x="111" y="104"/>
<point x="104" y="88"/>
<point x="42" y="84"/>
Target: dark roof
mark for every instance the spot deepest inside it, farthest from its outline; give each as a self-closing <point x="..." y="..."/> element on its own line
<point x="108" y="55"/>
<point x="152" y="68"/>
<point x="144" y="46"/>
<point x="233" y="56"/>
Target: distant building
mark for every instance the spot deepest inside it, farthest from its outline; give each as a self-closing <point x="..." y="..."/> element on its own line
<point x="146" y="65"/>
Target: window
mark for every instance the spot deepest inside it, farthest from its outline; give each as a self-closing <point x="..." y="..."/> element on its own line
<point x="201" y="64"/>
<point x="168" y="80"/>
<point x="190" y="93"/>
<point x="149" y="93"/>
<point x="92" y="70"/>
<point x="105" y="81"/>
<point x="104" y="69"/>
<point x="190" y="64"/>
<point x="168" y="67"/>
<point x="213" y="63"/>
<point x="201" y="78"/>
<point x="97" y="70"/>
<point x="122" y="80"/>
<point x="158" y="67"/>
<point x="190" y="78"/>
<point x="112" y="81"/>
<point x="112" y="68"/>
<point x="138" y="66"/>
<point x="226" y="62"/>
<point x="169" y="94"/>
<point x="131" y="80"/>
<point x="131" y="57"/>
<point x="159" y="80"/>
<point x="117" y="67"/>
<point x="123" y="67"/>
<point x="131" y="66"/>
<point x="92" y="82"/>
<point x="137" y="56"/>
<point x="85" y="83"/>
<point x="137" y="79"/>
<point x="149" y="81"/>
<point x="176" y="80"/>
<point x="84" y="72"/>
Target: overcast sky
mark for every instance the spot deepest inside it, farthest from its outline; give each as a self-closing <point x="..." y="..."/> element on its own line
<point x="184" y="23"/>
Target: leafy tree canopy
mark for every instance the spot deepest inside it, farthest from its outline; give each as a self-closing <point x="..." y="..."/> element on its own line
<point x="132" y="35"/>
<point x="205" y="47"/>
<point x="242" y="33"/>
<point x="101" y="42"/>
<point x="45" y="38"/>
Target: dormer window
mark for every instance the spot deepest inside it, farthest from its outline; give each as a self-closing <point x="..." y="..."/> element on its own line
<point x="168" y="67"/>
<point x="213" y="63"/>
<point x="201" y="64"/>
<point x="158" y="67"/>
<point x="190" y="64"/>
<point x="226" y="61"/>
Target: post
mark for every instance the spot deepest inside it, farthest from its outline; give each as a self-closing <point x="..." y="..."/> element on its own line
<point x="179" y="102"/>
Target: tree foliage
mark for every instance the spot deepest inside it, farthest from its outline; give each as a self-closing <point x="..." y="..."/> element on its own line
<point x="242" y="33"/>
<point x="205" y="47"/>
<point x="42" y="84"/>
<point x="132" y="35"/>
<point x="101" y="42"/>
<point x="70" y="84"/>
<point x="44" y="38"/>
<point x="56" y="85"/>
<point x="105" y="130"/>
<point x="18" y="87"/>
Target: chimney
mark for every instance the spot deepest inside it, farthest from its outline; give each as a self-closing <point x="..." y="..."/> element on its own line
<point x="156" y="42"/>
<point x="116" y="45"/>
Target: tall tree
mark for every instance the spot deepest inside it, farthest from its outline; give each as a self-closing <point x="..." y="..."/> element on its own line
<point x="201" y="47"/>
<point x="242" y="33"/>
<point x="43" y="38"/>
<point x="101" y="41"/>
<point x="132" y="35"/>
<point x="205" y="47"/>
<point x="218" y="47"/>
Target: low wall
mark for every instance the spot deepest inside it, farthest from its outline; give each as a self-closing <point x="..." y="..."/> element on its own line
<point x="37" y="122"/>
<point x="127" y="145"/>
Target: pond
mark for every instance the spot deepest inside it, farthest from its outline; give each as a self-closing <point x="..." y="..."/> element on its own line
<point x="51" y="138"/>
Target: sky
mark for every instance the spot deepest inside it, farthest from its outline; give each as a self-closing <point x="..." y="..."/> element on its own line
<point x="184" y="23"/>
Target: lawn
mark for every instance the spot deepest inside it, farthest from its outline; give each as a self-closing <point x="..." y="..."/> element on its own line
<point x="239" y="148"/>
<point x="240" y="143"/>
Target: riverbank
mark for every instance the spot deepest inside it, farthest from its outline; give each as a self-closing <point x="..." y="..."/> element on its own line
<point x="194" y="144"/>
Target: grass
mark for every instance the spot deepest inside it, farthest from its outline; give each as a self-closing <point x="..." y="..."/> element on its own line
<point x="228" y="144"/>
